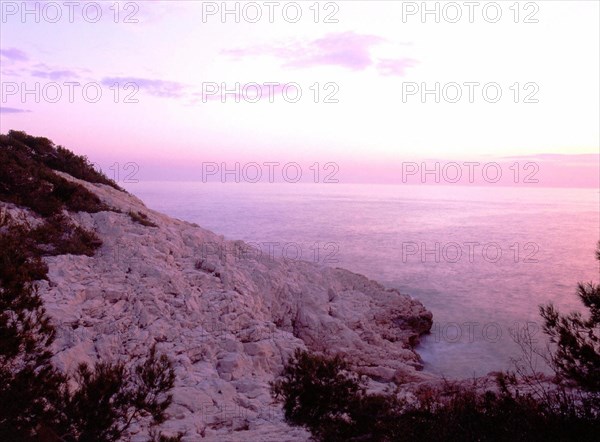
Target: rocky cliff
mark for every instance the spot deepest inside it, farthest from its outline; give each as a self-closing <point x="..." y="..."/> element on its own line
<point x="228" y="316"/>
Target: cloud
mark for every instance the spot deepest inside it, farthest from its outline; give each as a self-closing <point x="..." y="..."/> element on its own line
<point x="14" y="54"/>
<point x="157" y="88"/>
<point x="54" y="74"/>
<point x="348" y="50"/>
<point x="13" y="110"/>
<point x="42" y="70"/>
<point x="395" y="66"/>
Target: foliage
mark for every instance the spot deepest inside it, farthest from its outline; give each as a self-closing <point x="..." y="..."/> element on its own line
<point x="43" y="151"/>
<point x="577" y="338"/>
<point x="29" y="384"/>
<point x="141" y="218"/>
<point x="34" y="397"/>
<point x="38" y="402"/>
<point x="450" y="412"/>
<point x="35" y="400"/>
<point x="318" y="391"/>
<point x="27" y="176"/>
<point x="59" y="236"/>
<point x="110" y="397"/>
<point x="322" y="394"/>
<point x="19" y="261"/>
<point x="154" y="437"/>
<point x="27" y="183"/>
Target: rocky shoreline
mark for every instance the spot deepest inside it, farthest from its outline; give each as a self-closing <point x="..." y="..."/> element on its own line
<point x="229" y="321"/>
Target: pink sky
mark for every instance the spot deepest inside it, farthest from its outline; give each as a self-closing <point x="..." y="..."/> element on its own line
<point x="356" y="69"/>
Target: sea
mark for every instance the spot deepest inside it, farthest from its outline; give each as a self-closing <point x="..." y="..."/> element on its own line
<point x="482" y="259"/>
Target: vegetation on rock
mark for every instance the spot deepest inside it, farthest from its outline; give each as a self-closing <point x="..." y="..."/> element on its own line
<point x="141" y="218"/>
<point x="323" y="395"/>
<point x="37" y="401"/>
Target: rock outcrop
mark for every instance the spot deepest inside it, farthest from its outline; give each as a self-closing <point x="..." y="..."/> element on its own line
<point x="228" y="316"/>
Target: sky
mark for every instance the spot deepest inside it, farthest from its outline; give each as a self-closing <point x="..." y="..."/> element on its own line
<point x="367" y="86"/>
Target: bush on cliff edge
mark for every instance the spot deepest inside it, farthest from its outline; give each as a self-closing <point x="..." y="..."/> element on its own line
<point x="322" y="394"/>
<point x="37" y="401"/>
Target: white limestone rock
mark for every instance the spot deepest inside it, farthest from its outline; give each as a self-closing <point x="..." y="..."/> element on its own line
<point x="229" y="321"/>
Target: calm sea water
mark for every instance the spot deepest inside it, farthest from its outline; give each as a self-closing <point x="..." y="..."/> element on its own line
<point x="482" y="259"/>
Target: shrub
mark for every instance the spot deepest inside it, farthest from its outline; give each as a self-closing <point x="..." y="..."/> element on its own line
<point x="19" y="263"/>
<point x="318" y="391"/>
<point x="320" y="394"/>
<point x="141" y="218"/>
<point x="28" y="183"/>
<point x="37" y="402"/>
<point x="110" y="397"/>
<point x="154" y="437"/>
<point x="577" y="353"/>
<point x="56" y="157"/>
<point x="59" y="236"/>
<point x="28" y="382"/>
